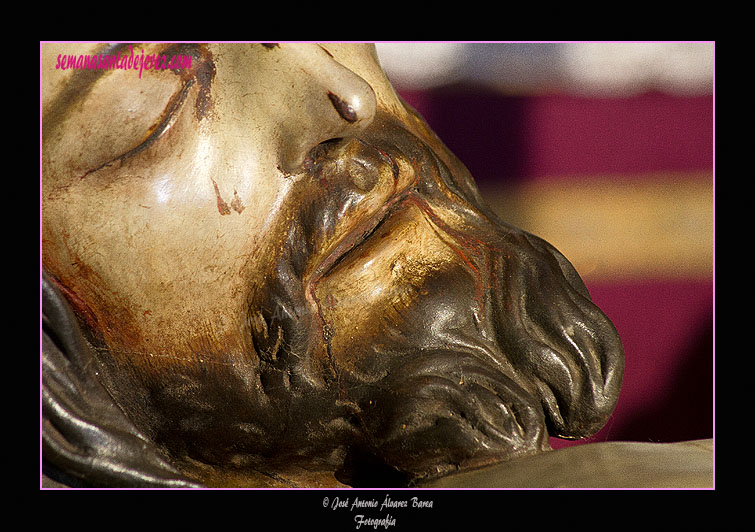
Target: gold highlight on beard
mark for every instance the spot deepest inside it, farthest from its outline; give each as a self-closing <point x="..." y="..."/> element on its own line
<point x="372" y="290"/>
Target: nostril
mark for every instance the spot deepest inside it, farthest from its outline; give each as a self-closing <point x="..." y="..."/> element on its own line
<point x="343" y="107"/>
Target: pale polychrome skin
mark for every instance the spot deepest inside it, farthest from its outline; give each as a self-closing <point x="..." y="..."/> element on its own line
<point x="282" y="267"/>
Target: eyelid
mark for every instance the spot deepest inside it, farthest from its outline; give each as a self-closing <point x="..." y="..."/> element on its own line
<point x="163" y="124"/>
<point x="201" y="72"/>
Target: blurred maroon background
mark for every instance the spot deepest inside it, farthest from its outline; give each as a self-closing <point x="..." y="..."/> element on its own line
<point x="665" y="318"/>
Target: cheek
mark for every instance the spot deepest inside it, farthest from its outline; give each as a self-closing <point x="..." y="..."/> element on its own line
<point x="385" y="294"/>
<point x="161" y="247"/>
<point x="153" y="265"/>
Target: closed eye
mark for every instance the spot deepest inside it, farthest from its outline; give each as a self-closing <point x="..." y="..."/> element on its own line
<point x="201" y="73"/>
<point x="167" y="119"/>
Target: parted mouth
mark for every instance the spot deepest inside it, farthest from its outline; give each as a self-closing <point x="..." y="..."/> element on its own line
<point x="354" y="239"/>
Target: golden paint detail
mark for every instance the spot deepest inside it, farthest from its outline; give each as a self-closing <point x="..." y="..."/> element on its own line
<point x="652" y="226"/>
<point x="368" y="290"/>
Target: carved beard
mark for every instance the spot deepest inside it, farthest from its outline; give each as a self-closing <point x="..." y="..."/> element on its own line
<point x="482" y="341"/>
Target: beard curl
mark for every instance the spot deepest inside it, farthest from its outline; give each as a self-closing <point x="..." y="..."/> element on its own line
<point x="443" y="411"/>
<point x="559" y="340"/>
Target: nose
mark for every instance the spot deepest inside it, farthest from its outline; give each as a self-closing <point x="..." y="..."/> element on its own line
<point x="327" y="101"/>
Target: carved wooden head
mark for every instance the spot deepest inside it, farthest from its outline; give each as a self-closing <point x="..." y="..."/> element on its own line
<point x="281" y="268"/>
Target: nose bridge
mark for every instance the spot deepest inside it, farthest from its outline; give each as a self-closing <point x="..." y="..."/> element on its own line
<point x="331" y="101"/>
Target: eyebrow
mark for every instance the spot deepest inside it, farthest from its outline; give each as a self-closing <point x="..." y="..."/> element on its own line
<point x="203" y="73"/>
